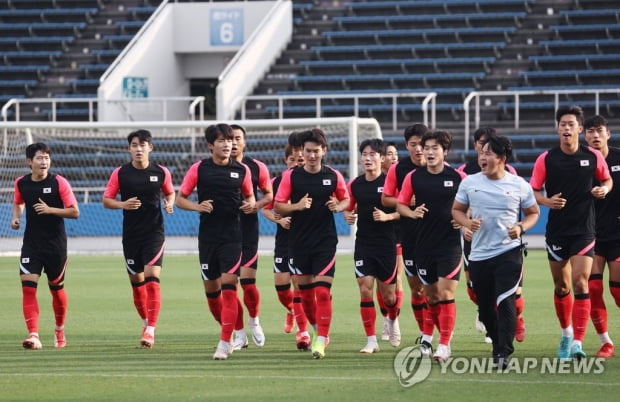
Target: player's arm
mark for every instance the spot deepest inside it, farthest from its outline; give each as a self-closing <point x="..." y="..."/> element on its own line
<point x="264" y="183"/>
<point x="339" y="201"/>
<point x="112" y="189"/>
<point x="169" y="202"/>
<point x="530" y="217"/>
<point x="168" y="189"/>
<point x="18" y="210"/>
<point x="187" y="187"/>
<point x="389" y="197"/>
<point x="460" y="214"/>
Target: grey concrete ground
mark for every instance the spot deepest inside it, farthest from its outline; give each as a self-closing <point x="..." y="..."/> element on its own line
<point x="187" y="245"/>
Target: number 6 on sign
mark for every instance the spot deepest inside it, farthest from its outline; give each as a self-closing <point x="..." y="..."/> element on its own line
<point x="226" y="27"/>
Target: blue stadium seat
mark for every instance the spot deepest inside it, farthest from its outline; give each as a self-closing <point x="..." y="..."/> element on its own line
<point x="421" y="32"/>
<point x="387" y="62"/>
<point x="408" y="46"/>
<point x="48" y="11"/>
<point x="429" y="3"/>
<point x="459" y="90"/>
<point x="388" y="77"/>
<point x="365" y="19"/>
<point x="25" y="68"/>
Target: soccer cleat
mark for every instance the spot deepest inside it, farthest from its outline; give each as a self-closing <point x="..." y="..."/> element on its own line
<point x="520" y="330"/>
<point x="394" y="329"/>
<point x="607" y="350"/>
<point x="147" y="340"/>
<point x="479" y="324"/>
<point x="59" y="338"/>
<point x="442" y="354"/>
<point x="241" y="340"/>
<point x="501" y="362"/>
<point x="576" y="352"/>
<point x="426" y="349"/>
<point x="222" y="351"/>
<point x="289" y="323"/>
<point x="32" y="342"/>
<point x="564" y="349"/>
<point x="258" y="336"/>
<point x="303" y="340"/>
<point x="385" y="334"/>
<point x="371" y="347"/>
<point x="318" y="350"/>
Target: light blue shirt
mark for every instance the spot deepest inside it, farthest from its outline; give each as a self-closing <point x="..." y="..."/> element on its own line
<point x="498" y="203"/>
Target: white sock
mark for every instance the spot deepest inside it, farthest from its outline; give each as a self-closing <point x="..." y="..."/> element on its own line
<point x="568" y="331"/>
<point x="604" y="337"/>
<point x="372" y="339"/>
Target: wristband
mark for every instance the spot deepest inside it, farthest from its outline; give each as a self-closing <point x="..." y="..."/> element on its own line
<point x="521" y="227"/>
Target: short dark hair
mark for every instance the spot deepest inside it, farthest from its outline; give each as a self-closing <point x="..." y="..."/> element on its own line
<point x="32" y="149"/>
<point x="484" y="131"/>
<point x="141" y="135"/>
<point x="500" y="145"/>
<point x="595" y="121"/>
<point x="238" y="127"/>
<point x="288" y="150"/>
<point x="216" y="130"/>
<point x="443" y="138"/>
<point x="376" y="144"/>
<point x="294" y="139"/>
<point x="573" y="109"/>
<point x="416" y="130"/>
<point x="315" y="135"/>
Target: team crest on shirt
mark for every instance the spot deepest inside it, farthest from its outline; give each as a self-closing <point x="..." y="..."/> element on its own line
<point x="153" y="179"/>
<point x="422" y="271"/>
<point x="327" y="182"/>
<point x="359" y="263"/>
<point x="448" y="183"/>
<point x="130" y="261"/>
<point x="47" y="190"/>
<point x="584" y="162"/>
<point x="278" y="260"/>
<point x="234" y="175"/>
<point x="379" y="189"/>
<point x="615" y="168"/>
<point x="204" y="267"/>
<point x="409" y="263"/>
<point x="25" y="260"/>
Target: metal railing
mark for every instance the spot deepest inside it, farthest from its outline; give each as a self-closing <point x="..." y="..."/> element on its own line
<point x="428" y="105"/>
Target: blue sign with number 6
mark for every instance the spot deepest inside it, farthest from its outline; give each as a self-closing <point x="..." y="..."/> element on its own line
<point x="227" y="27"/>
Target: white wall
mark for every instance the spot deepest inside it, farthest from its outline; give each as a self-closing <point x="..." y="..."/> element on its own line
<point x="174" y="46"/>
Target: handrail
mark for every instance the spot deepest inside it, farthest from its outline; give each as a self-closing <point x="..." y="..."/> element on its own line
<point x="517" y="96"/>
<point x="199" y="101"/>
<point x="429" y="98"/>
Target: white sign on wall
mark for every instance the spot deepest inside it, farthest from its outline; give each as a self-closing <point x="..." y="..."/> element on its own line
<point x="226" y="27"/>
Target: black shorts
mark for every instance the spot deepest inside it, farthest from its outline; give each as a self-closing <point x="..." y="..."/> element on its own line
<point x="54" y="265"/>
<point x="445" y="265"/>
<point x="139" y="254"/>
<point x="317" y="263"/>
<point x="380" y="265"/>
<point x="218" y="259"/>
<point x="249" y="254"/>
<point x="281" y="264"/>
<point x="562" y="248"/>
<point x="608" y="249"/>
<point x="502" y="273"/>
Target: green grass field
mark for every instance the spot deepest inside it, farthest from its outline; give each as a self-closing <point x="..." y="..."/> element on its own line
<point x="102" y="360"/>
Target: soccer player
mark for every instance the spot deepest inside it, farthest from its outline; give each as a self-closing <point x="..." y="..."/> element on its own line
<point x="47" y="199"/>
<point x="393" y="183"/>
<point x="438" y="243"/>
<point x="495" y="200"/>
<point x="249" y="255"/>
<point x="224" y="188"/>
<point x="284" y="273"/>
<point x="140" y="184"/>
<point x="568" y="174"/>
<point x="472" y="167"/>
<point x="375" y="242"/>
<point x="607" y="247"/>
<point x="311" y="195"/>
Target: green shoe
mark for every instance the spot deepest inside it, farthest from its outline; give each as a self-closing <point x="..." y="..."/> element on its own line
<point x="318" y="349"/>
<point x="576" y="352"/>
<point x="564" y="350"/>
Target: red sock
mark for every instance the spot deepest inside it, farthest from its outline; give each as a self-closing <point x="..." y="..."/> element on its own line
<point x="472" y="295"/>
<point x="399" y="300"/>
<point x="563" y="308"/>
<point x="139" y="298"/>
<point x="581" y="315"/>
<point x="598" y="312"/>
<point x="30" y="306"/>
<point x="59" y="305"/>
<point x="214" y="300"/>
<point x="430" y="318"/>
<point x="153" y="301"/>
<point x="418" y="304"/>
<point x="308" y="301"/>
<point x="381" y="302"/>
<point x="285" y="295"/>
<point x="251" y="296"/>
<point x="614" y="289"/>
<point x="229" y="312"/>
<point x="519" y="304"/>
<point x="239" y="321"/>
<point x="300" y="314"/>
<point x="369" y="316"/>
<point x="447" y="318"/>
<point x="323" y="310"/>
